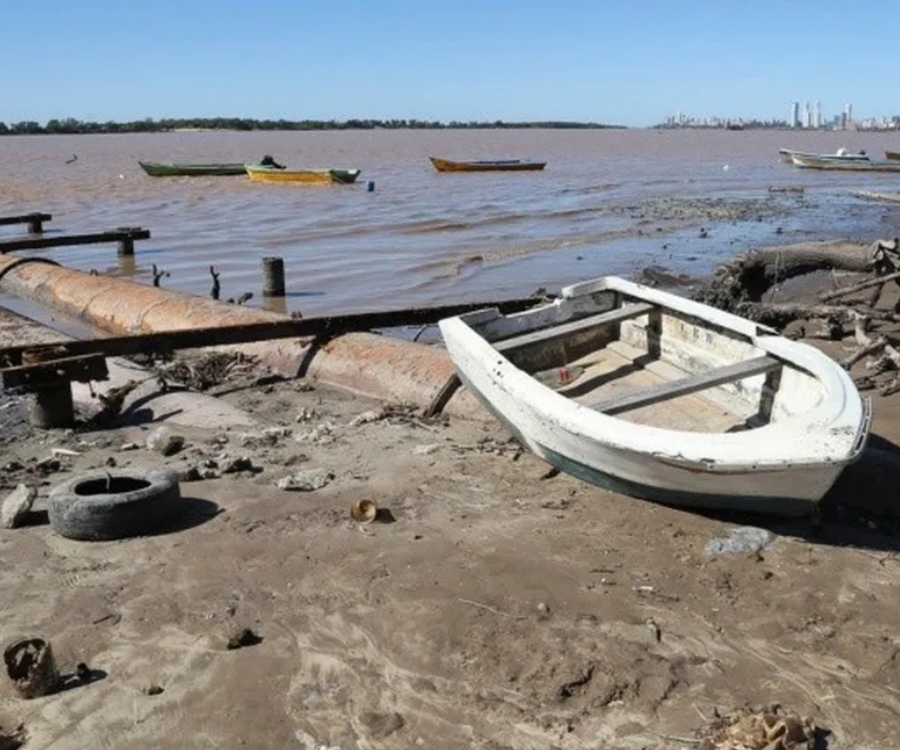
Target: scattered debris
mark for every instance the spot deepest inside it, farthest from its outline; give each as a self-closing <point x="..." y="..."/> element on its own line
<point x="207" y="369"/>
<point x="364" y="511"/>
<point x="766" y="729"/>
<point x="31" y="667"/>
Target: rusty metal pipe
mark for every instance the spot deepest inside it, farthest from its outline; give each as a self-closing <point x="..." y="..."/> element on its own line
<point x="376" y="366"/>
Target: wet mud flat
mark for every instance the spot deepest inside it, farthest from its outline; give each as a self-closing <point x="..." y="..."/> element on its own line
<point x="490" y="604"/>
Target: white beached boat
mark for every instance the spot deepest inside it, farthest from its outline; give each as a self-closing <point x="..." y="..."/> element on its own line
<point x="677" y="402"/>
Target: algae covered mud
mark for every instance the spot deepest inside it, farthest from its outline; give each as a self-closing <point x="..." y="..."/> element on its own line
<point x="608" y="202"/>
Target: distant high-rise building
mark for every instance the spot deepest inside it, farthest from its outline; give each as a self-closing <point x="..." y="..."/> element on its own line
<point x="848" y="116"/>
<point x="807" y="115"/>
<point x="818" y="121"/>
<point x="795" y="115"/>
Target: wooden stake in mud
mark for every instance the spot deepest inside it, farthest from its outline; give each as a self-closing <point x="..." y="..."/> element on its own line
<point x="273" y="277"/>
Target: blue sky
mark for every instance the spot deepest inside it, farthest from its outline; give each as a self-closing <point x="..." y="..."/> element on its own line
<point x="630" y="62"/>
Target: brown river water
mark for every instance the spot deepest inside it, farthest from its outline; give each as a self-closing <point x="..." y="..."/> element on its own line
<point x="609" y="202"/>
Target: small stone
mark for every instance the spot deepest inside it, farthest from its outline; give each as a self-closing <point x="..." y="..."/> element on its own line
<point x="381" y="724"/>
<point x="243" y="463"/>
<point x="151" y="689"/>
<point x="83" y="672"/>
<point x="11" y="466"/>
<point x="111" y="461"/>
<point x="307" y="415"/>
<point x="426" y="450"/>
<point x="16" y="506"/>
<point x="321" y="434"/>
<point x="273" y="433"/>
<point x="48" y="465"/>
<point x="165" y="442"/>
<point x="129" y="447"/>
<point x="365" y="417"/>
<point x="306" y="481"/>
<point x="740" y="540"/>
<point x="241" y="638"/>
<point x="189" y="474"/>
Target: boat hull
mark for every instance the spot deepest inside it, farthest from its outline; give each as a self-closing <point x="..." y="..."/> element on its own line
<point x="787" y="156"/>
<point x="782" y="468"/>
<point x="155" y="169"/>
<point x="844" y="165"/>
<point x="502" y="165"/>
<point x="303" y="176"/>
<point x="785" y="493"/>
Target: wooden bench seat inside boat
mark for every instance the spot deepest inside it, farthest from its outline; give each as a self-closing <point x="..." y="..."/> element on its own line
<point x="565" y="330"/>
<point x="688" y="385"/>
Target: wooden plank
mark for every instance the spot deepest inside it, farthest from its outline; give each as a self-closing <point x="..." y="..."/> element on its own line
<point x="564" y="330"/>
<point x="24" y="219"/>
<point x="81" y="368"/>
<point x="38" y="243"/>
<point x="194" y="338"/>
<point x="688" y="385"/>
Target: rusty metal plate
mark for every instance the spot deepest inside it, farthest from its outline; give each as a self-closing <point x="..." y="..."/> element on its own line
<point x="81" y="369"/>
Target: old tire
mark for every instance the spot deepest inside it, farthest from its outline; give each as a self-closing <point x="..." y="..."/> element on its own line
<point x="104" y="505"/>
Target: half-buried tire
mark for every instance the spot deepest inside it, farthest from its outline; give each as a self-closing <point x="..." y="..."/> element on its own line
<point x="114" y="505"/>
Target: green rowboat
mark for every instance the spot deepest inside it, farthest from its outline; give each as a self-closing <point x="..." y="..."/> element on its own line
<point x="155" y="169"/>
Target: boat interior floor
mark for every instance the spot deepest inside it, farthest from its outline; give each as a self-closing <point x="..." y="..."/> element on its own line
<point x="619" y="369"/>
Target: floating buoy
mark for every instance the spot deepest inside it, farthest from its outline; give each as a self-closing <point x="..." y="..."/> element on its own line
<point x="370" y="186"/>
<point x="725" y="168"/>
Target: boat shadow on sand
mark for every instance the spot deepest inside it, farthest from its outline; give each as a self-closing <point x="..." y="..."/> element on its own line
<point x="861" y="510"/>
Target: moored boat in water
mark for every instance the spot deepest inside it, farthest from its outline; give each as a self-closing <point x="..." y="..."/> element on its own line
<point x="676" y="402"/>
<point x="157" y="169"/>
<point x="259" y="173"/>
<point x="845" y="165"/>
<point x="787" y="155"/>
<point x="487" y="165"/>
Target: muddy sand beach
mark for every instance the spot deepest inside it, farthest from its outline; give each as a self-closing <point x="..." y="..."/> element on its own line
<point x="491" y="604"/>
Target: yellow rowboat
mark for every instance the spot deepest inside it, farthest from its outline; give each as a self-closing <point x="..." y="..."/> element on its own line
<point x="305" y="176"/>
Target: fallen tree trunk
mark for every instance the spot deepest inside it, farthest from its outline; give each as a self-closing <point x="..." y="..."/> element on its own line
<point x="748" y="277"/>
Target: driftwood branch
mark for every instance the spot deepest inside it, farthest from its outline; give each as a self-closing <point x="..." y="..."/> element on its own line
<point x="843" y="291"/>
<point x="778" y="315"/>
<point x="891" y="358"/>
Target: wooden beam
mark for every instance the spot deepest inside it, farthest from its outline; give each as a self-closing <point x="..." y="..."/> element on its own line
<point x="564" y="330"/>
<point x="122" y="234"/>
<point x="194" y="338"/>
<point x="80" y="368"/>
<point x="688" y="385"/>
<point x="25" y="219"/>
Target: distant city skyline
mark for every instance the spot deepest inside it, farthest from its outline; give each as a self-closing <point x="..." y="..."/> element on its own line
<point x="512" y="60"/>
<point x="806" y="115"/>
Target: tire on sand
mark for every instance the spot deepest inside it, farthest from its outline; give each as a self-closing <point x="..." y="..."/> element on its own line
<point x="104" y="505"/>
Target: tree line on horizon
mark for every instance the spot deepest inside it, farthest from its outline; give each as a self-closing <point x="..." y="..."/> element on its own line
<point x="148" y="125"/>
